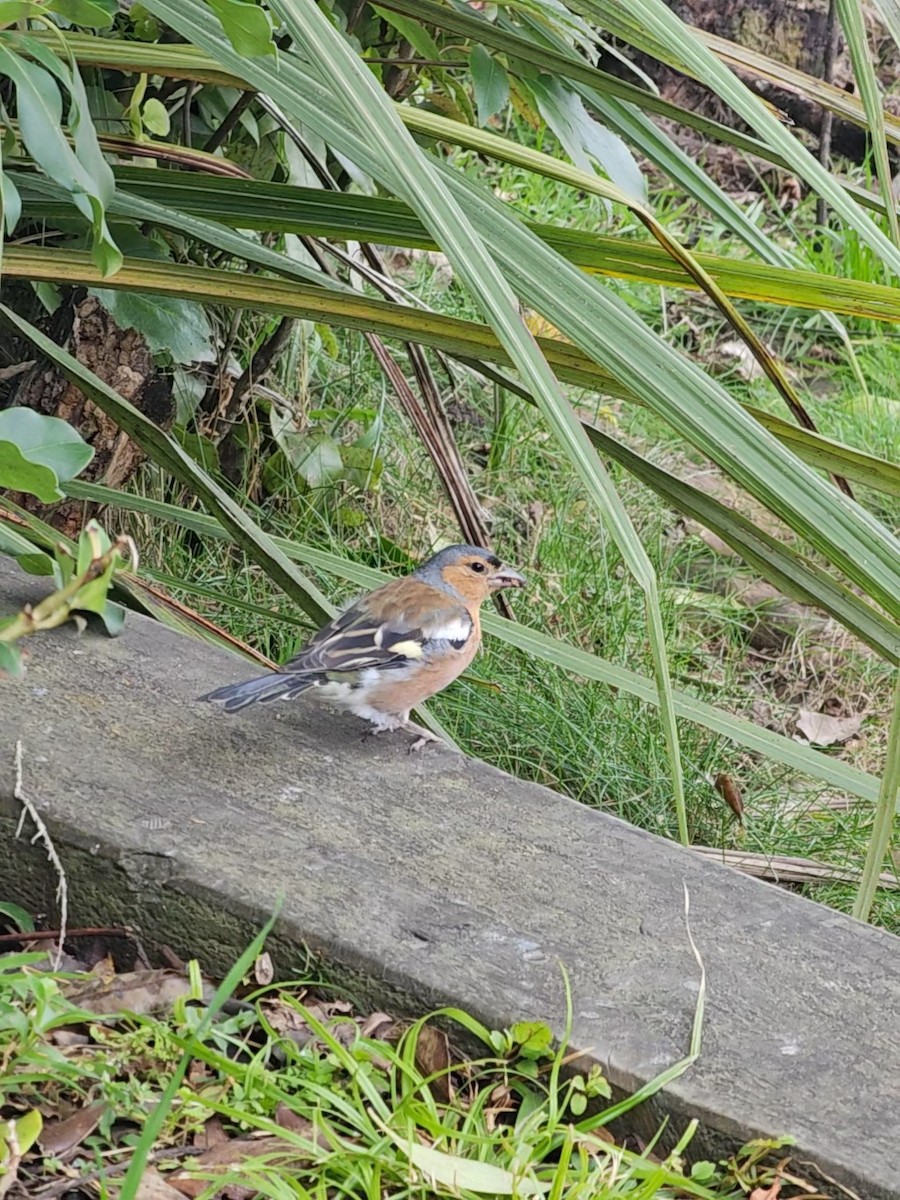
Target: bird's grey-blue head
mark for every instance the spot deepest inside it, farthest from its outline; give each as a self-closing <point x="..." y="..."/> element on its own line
<point x="470" y="572"/>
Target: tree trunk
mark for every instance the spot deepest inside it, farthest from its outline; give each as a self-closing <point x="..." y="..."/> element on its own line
<point x="120" y="358"/>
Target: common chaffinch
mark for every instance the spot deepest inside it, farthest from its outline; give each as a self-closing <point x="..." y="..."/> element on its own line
<point x="393" y="648"/>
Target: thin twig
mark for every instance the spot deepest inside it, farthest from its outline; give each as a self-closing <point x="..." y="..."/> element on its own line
<point x="829" y="54"/>
<point x="255" y="371"/>
<point x="42" y="834"/>
<point x="45" y="935"/>
<point x="229" y="121"/>
<point x="108" y="1172"/>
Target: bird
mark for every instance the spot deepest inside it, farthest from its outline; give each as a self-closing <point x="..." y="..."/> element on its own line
<point x="393" y="648"/>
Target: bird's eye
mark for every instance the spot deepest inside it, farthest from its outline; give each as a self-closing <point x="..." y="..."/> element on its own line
<point x="477" y="566"/>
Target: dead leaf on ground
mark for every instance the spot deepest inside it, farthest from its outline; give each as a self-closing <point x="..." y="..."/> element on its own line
<point x="377" y="1026"/>
<point x="141" y="992"/>
<point x="731" y="794"/>
<point x="820" y="729"/>
<point x="263" y="970"/>
<point x="59" y="1137"/>
<point x="153" y="1187"/>
<point x="221" y="1159"/>
<point x="212" y="1134"/>
<point x="433" y="1058"/>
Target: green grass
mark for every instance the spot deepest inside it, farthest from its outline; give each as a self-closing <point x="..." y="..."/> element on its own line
<point x="344" y="1104"/>
<point x="536" y="721"/>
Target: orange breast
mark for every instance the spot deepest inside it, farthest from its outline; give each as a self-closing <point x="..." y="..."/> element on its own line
<point x="428" y="678"/>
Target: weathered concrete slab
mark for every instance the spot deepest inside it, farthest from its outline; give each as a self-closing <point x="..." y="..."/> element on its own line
<point x="438" y="879"/>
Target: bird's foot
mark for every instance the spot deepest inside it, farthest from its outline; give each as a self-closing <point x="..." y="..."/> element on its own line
<point x="425" y="736"/>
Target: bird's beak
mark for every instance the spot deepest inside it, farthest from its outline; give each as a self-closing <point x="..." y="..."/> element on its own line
<point x="505" y="577"/>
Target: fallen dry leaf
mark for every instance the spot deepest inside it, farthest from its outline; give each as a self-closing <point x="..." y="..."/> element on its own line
<point x="433" y="1059"/>
<point x="263" y="970"/>
<point x="820" y="729"/>
<point x="731" y="794"/>
<point x="221" y="1159"/>
<point x="141" y="992"/>
<point x="59" y="1137"/>
<point x="153" y="1187"/>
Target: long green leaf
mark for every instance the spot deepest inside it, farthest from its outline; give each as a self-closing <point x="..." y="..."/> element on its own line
<point x="349" y="309"/>
<point x="851" y="18"/>
<point x="649" y="23"/>
<point x="283" y="208"/>
<point x="811" y="762"/>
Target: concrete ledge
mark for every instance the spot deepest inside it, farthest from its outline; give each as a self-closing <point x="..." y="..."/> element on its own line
<point x="437" y="879"/>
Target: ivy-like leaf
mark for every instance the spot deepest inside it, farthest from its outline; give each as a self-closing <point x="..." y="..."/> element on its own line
<point x="83" y="172"/>
<point x="246" y="25"/>
<point x="490" y="82"/>
<point x="155" y="117"/>
<point x="45" y="441"/>
<point x="177" y="328"/>
<point x="92" y="14"/>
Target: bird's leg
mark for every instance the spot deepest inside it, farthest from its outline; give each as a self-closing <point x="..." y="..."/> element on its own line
<point x="424" y="736"/>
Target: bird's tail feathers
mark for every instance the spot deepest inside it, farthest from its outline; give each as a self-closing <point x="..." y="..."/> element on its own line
<point x="260" y="691"/>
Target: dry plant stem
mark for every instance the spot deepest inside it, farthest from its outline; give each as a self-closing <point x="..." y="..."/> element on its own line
<point x="229" y="121"/>
<point x="832" y="33"/>
<point x="885" y="808"/>
<point x="429" y="419"/>
<point x="114" y="1169"/>
<point x="255" y="373"/>
<point x="43" y="835"/>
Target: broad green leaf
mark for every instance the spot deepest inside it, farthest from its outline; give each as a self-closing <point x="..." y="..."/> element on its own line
<point x="155" y="117"/>
<point x="17" y="473"/>
<point x="83" y="172"/>
<point x="490" y="82"/>
<point x="176" y="328"/>
<point x="11" y="203"/>
<point x="27" y="1131"/>
<point x="247" y="25"/>
<point x="91" y="13"/>
<point x="317" y="460"/>
<point x="15" y="912"/>
<point x="15" y="544"/>
<point x="16" y="10"/>
<point x="36" y="563"/>
<point x="583" y="138"/>
<point x="47" y="441"/>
